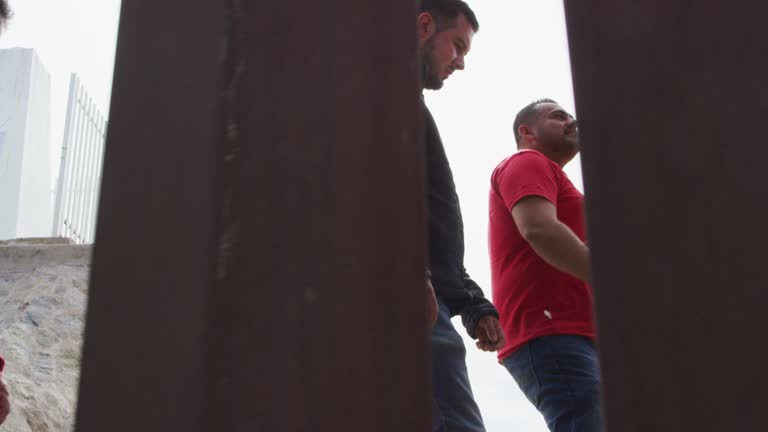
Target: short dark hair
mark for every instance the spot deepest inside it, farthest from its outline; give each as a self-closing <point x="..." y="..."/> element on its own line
<point x="5" y="13"/>
<point x="528" y="115"/>
<point x="444" y="10"/>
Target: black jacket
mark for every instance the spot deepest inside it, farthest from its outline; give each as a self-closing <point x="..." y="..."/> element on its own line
<point x="453" y="285"/>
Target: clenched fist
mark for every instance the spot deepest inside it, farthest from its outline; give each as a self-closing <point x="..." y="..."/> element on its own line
<point x="490" y="336"/>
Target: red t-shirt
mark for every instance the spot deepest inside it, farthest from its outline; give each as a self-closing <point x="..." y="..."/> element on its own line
<point x="533" y="298"/>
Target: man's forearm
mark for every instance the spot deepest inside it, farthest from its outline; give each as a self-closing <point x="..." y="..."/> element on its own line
<point x="556" y="244"/>
<point x="474" y="290"/>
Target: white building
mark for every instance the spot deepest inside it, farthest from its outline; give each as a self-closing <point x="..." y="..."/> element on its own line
<point x="25" y="194"/>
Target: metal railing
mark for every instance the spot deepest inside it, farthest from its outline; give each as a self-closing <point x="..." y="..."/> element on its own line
<point x="82" y="152"/>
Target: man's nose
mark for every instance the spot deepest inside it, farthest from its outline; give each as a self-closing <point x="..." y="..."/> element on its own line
<point x="459" y="64"/>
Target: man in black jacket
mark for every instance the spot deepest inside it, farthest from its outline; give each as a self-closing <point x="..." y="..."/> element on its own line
<point x="445" y="29"/>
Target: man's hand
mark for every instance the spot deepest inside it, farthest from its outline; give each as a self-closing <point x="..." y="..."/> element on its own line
<point x="5" y="404"/>
<point x="490" y="336"/>
<point x="431" y="305"/>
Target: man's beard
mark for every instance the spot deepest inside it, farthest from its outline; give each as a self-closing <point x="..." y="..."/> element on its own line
<point x="572" y="141"/>
<point x="430" y="73"/>
<point x="559" y="142"/>
<point x="576" y="143"/>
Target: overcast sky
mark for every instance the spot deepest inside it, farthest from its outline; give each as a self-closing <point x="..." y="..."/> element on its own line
<point x="69" y="36"/>
<point x="520" y="54"/>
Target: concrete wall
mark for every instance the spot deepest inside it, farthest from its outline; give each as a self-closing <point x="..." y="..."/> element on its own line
<point x="25" y="196"/>
<point x="14" y="99"/>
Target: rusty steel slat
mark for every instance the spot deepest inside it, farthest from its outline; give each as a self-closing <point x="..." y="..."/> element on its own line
<point x="671" y="100"/>
<point x="260" y="247"/>
<point x="144" y="353"/>
<point x="336" y="231"/>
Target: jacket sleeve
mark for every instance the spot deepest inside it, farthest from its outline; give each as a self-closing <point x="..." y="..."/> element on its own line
<point x="476" y="306"/>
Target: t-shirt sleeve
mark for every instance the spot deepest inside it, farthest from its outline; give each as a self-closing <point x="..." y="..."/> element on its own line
<point x="526" y="174"/>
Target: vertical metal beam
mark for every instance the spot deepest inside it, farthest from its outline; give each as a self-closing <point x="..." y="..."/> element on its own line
<point x="671" y="99"/>
<point x="259" y="252"/>
<point x="89" y="146"/>
<point x="77" y="151"/>
<point x="93" y="185"/>
<point x="335" y="235"/>
<point x="93" y="155"/>
<point x="146" y="340"/>
<point x="65" y="159"/>
<point x="82" y="175"/>
<point x="97" y="177"/>
<point x="72" y="158"/>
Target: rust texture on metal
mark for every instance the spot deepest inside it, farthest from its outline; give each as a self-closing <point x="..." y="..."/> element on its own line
<point x="671" y="100"/>
<point x="259" y="253"/>
<point x="333" y="171"/>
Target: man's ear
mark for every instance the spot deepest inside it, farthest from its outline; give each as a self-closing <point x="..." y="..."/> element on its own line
<point x="525" y="131"/>
<point x="426" y="26"/>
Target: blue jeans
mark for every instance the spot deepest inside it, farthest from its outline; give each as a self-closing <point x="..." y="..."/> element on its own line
<point x="453" y="405"/>
<point x="560" y="375"/>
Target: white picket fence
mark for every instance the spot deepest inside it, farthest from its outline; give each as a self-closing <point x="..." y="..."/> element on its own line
<point x="82" y="153"/>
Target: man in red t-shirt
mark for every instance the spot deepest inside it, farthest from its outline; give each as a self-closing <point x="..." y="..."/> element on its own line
<point x="540" y="271"/>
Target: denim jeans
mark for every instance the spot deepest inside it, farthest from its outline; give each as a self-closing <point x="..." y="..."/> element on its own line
<point x="453" y="405"/>
<point x="560" y="375"/>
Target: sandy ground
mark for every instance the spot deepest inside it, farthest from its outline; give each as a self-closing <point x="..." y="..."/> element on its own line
<point x="43" y="286"/>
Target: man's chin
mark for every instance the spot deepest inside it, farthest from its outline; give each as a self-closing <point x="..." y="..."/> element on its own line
<point x="571" y="146"/>
<point x="433" y="84"/>
<point x="575" y="142"/>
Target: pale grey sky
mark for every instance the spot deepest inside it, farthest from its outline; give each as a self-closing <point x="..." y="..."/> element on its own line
<point x="520" y="54"/>
<point x="69" y="36"/>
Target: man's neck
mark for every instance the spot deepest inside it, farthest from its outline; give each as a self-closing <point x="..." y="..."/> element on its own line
<point x="560" y="159"/>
